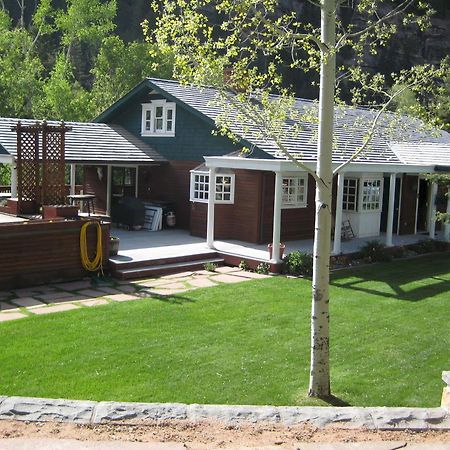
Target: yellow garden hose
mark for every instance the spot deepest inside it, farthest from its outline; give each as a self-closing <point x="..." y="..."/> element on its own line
<point x="96" y="263"/>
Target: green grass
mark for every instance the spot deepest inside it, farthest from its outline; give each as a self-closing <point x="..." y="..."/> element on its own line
<point x="244" y="344"/>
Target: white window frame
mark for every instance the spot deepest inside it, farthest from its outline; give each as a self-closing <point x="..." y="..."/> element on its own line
<point x="346" y="196"/>
<point x="370" y="194"/>
<point x="203" y="190"/>
<point x="292" y="201"/>
<point x="151" y="107"/>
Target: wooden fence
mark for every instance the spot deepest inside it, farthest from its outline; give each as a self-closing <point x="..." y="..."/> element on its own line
<point x="38" y="252"/>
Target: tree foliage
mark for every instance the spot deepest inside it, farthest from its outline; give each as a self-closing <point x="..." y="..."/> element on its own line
<point x="65" y="63"/>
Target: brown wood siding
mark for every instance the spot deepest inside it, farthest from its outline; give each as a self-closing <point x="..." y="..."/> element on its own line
<point x="408" y="204"/>
<point x="296" y="223"/>
<point x="239" y="221"/>
<point x="40" y="252"/>
<point x="169" y="182"/>
<point x="92" y="185"/>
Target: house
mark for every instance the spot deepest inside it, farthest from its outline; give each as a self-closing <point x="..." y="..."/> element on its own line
<point x="157" y="143"/>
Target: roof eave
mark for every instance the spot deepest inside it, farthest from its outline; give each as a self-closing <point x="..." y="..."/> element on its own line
<point x="281" y="165"/>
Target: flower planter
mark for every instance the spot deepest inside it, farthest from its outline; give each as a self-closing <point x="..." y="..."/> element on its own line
<point x="54" y="211"/>
<point x="282" y="249"/>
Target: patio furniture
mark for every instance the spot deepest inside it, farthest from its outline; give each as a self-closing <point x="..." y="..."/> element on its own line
<point x="347" y="230"/>
<point x="83" y="199"/>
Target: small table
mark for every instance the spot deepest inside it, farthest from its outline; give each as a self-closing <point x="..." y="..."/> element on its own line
<point x="87" y="199"/>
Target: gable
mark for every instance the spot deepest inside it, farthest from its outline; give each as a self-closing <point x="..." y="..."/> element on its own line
<point x="193" y="137"/>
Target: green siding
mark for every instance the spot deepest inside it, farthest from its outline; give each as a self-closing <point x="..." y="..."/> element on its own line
<point x="193" y="138"/>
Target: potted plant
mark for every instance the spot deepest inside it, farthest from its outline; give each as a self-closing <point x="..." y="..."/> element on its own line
<point x="114" y="242"/>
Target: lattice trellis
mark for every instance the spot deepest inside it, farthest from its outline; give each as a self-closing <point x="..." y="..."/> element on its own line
<point x="53" y="184"/>
<point x="40" y="174"/>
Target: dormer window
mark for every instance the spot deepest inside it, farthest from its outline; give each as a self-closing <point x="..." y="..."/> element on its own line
<point x="158" y="118"/>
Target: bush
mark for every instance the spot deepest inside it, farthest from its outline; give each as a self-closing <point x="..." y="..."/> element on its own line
<point x="263" y="268"/>
<point x="426" y="246"/>
<point x="298" y="263"/>
<point x="244" y="266"/>
<point x="375" y="251"/>
<point x="210" y="267"/>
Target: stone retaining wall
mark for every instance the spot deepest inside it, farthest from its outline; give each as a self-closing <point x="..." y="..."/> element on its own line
<point x="85" y="412"/>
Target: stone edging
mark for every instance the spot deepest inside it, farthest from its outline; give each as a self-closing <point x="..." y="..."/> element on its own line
<point x="90" y="412"/>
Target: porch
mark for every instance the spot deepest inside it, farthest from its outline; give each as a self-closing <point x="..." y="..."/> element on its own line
<point x="141" y="246"/>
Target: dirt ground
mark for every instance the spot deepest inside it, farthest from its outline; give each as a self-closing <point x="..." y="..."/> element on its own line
<point x="210" y="435"/>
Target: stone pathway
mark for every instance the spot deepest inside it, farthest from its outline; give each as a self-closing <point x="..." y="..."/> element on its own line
<point x="48" y="299"/>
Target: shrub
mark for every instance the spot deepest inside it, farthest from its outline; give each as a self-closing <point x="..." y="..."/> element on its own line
<point x="426" y="246"/>
<point x="263" y="268"/>
<point x="298" y="263"/>
<point x="210" y="267"/>
<point x="244" y="266"/>
<point x="375" y="251"/>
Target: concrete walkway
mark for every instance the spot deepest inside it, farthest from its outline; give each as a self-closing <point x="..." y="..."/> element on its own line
<point x="53" y="298"/>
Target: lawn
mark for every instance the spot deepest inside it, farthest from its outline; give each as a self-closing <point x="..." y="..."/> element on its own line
<point x="245" y="344"/>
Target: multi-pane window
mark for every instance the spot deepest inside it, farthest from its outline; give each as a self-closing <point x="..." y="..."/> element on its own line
<point x="223" y="188"/>
<point x="148" y="120"/>
<point x="350" y="194"/>
<point x="200" y="187"/>
<point x="169" y="119"/>
<point x="294" y="190"/>
<point x="371" y="194"/>
<point x="158" y="118"/>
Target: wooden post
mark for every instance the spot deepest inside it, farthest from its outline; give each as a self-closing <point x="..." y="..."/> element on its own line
<point x="211" y="203"/>
<point x="391" y="206"/>
<point x="14" y="179"/>
<point x="338" y="215"/>
<point x="447" y="225"/>
<point x="73" y="171"/>
<point x="108" y="189"/>
<point x="276" y="231"/>
<point x="432" y="211"/>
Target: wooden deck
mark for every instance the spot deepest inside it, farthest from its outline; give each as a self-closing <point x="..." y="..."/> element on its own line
<point x="176" y="250"/>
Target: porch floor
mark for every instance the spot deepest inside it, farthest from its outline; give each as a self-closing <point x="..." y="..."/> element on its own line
<point x="154" y="245"/>
<point x="8" y="218"/>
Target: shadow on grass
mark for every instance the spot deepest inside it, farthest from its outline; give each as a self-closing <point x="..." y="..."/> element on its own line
<point x="335" y="401"/>
<point x="171" y="299"/>
<point x="413" y="280"/>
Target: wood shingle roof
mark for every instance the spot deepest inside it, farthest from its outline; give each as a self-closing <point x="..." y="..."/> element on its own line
<point x="90" y="143"/>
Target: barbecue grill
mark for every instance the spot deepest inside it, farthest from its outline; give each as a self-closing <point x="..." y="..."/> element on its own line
<point x="128" y="212"/>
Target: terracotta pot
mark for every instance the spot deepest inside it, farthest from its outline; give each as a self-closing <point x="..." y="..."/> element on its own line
<point x="282" y="249"/>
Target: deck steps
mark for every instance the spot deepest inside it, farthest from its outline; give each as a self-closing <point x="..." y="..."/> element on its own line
<point x="157" y="267"/>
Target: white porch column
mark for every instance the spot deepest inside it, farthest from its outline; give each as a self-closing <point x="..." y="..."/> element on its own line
<point x="277" y="218"/>
<point x="14" y="179"/>
<point x="73" y="169"/>
<point x="391" y="205"/>
<point x="338" y="215"/>
<point x="108" y="189"/>
<point x="432" y="211"/>
<point x="447" y="225"/>
<point x="211" y="202"/>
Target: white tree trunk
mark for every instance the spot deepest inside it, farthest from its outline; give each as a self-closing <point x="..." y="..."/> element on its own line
<point x="319" y="384"/>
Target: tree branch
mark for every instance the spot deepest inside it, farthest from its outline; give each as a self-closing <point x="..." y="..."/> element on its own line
<point x="265" y="131"/>
<point x="402" y="7"/>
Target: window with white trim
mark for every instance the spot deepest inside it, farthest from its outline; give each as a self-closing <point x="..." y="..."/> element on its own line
<point x="158" y="118"/>
<point x="371" y="194"/>
<point x="350" y="194"/>
<point x="200" y="187"/>
<point x="294" y="192"/>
